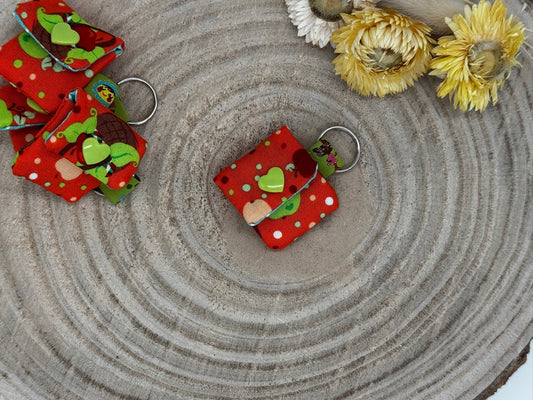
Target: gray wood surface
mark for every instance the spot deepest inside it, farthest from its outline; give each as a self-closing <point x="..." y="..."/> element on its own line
<point x="418" y="287"/>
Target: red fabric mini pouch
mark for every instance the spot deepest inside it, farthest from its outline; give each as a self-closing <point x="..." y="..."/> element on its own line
<point x="278" y="189"/>
<point x="57" y="52"/>
<point x="88" y="141"/>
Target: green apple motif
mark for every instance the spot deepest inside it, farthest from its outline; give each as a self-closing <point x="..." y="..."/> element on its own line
<point x="31" y="47"/>
<point x="6" y="118"/>
<point x="288" y="208"/>
<point x="32" y="104"/>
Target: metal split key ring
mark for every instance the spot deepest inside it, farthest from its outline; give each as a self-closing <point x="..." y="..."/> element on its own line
<point x="154" y="94"/>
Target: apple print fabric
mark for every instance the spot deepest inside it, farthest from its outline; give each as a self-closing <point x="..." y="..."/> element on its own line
<point x="312" y="205"/>
<point x="92" y="137"/>
<point x="64" y="35"/>
<point x="68" y="140"/>
<point x="51" y="171"/>
<point x="21" y="137"/>
<point x="278" y="189"/>
<point x="46" y="71"/>
<point x="17" y="111"/>
<point x="83" y="146"/>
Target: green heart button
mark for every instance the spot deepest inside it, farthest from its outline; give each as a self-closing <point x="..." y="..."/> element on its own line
<point x="63" y="34"/>
<point x="273" y="181"/>
<point x="93" y="151"/>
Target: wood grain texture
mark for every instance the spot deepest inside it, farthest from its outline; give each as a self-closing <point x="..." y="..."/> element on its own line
<point x="419" y="287"/>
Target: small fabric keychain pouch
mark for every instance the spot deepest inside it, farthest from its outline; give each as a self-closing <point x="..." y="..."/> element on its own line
<point x="279" y="188"/>
<point x="107" y="92"/>
<point x="19" y="113"/>
<point x="95" y="139"/>
<point x="59" y="174"/>
<point x="83" y="146"/>
<point x="24" y="119"/>
<point x="57" y="52"/>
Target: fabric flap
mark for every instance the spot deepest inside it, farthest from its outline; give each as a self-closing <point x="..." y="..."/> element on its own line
<point x="270" y="176"/>
<point x="93" y="138"/>
<point x="64" y="35"/>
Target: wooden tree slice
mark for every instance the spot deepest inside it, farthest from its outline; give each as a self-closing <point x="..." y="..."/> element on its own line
<point x="418" y="287"/>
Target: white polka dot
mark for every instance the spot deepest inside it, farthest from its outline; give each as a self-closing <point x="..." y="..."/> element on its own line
<point x="278" y="235"/>
<point x="312" y="224"/>
<point x="122" y="184"/>
<point x="323" y="180"/>
<point x="312" y="197"/>
<point x="28" y="137"/>
<point x="33" y="77"/>
<point x="37" y="160"/>
<point x="33" y="176"/>
<point x="73" y="199"/>
<point x="53" y="139"/>
<point x="330" y="201"/>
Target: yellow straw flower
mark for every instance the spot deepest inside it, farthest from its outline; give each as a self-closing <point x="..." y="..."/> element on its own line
<point x="381" y="51"/>
<point x="479" y="55"/>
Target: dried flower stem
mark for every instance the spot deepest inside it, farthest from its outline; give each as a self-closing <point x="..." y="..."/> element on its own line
<point x="530" y="55"/>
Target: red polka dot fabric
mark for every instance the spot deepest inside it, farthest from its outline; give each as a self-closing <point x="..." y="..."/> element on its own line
<point x="16" y="111"/>
<point x="22" y="137"/>
<point x="92" y="137"/>
<point x="53" y="172"/>
<point x="66" y="141"/>
<point x="46" y="72"/>
<point x="316" y="203"/>
<point x="64" y="35"/>
<point x="278" y="190"/>
<point x="81" y="147"/>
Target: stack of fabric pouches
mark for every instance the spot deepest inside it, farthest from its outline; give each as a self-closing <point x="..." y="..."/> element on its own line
<point x="67" y="124"/>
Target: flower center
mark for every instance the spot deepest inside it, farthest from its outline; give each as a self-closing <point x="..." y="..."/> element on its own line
<point x="330" y="10"/>
<point x="485" y="59"/>
<point x="384" y="59"/>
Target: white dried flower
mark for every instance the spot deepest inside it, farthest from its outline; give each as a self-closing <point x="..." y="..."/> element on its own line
<point x="316" y="20"/>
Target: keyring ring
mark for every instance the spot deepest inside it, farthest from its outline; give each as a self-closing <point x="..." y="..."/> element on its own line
<point x="354" y="138"/>
<point x="133" y="79"/>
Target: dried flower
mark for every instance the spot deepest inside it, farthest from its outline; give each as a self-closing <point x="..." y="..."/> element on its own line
<point x="381" y="51"/>
<point x="476" y="60"/>
<point x="318" y="19"/>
